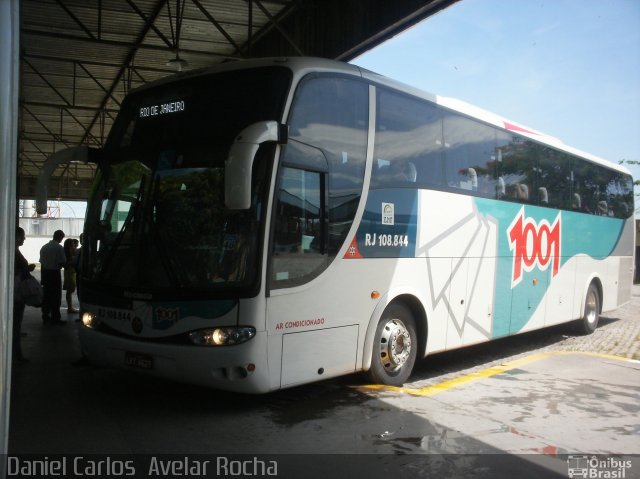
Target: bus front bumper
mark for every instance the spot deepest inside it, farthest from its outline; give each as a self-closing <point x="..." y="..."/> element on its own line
<point x="241" y="368"/>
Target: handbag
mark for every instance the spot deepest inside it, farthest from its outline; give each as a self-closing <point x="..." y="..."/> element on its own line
<point x="30" y="291"/>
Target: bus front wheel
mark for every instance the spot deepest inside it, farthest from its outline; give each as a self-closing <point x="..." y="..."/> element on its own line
<point x="591" y="316"/>
<point x="394" y="347"/>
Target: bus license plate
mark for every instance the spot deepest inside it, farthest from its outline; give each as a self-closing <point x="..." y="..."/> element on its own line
<point x="138" y="360"/>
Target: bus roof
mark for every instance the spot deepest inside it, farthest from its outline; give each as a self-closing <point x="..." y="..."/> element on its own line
<point x="303" y="65"/>
<point x="494" y="119"/>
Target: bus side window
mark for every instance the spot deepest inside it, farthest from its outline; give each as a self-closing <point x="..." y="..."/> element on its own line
<point x="469" y="150"/>
<point x="330" y="114"/>
<point x="396" y="172"/>
<point x="299" y="241"/>
<point x="469" y="179"/>
<point x="408" y="143"/>
<point x="382" y="171"/>
<point x="516" y="166"/>
<point x="619" y="192"/>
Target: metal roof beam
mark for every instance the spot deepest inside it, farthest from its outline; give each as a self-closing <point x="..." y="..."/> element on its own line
<point x="37" y="148"/>
<point x="98" y="83"/>
<point x="27" y="159"/>
<point x="115" y="43"/>
<point x="150" y="24"/>
<point x="48" y="83"/>
<point x="127" y="61"/>
<point x="52" y="134"/>
<point x="76" y="19"/>
<point x="43" y="141"/>
<point x="93" y="63"/>
<point x="88" y="134"/>
<point x="72" y="107"/>
<point x="216" y="24"/>
<point x="275" y="23"/>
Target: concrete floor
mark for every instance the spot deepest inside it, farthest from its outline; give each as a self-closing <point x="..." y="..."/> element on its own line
<point x="500" y="417"/>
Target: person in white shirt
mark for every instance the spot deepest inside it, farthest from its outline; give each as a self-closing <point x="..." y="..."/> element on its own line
<point x="52" y="259"/>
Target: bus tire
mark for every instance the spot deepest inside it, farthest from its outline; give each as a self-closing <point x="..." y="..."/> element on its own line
<point x="591" y="316"/>
<point x="395" y="347"/>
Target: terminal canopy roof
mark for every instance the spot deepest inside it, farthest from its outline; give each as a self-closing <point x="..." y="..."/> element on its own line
<point x="79" y="58"/>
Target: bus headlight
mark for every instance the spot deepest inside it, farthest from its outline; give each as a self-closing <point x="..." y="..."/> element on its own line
<point x="227" y="336"/>
<point x="90" y="320"/>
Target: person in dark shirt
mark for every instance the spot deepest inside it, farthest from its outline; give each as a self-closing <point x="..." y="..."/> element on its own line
<point x="22" y="269"/>
<point x="69" y="284"/>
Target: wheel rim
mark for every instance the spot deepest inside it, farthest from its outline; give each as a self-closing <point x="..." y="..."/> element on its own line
<point x="395" y="345"/>
<point x="591" y="307"/>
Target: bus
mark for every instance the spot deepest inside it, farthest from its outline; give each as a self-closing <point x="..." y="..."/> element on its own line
<point x="269" y="223"/>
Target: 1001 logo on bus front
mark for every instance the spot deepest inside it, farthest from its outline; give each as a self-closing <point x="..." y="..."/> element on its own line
<point x="534" y="245"/>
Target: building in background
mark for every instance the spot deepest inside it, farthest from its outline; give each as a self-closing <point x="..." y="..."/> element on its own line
<point x="39" y="230"/>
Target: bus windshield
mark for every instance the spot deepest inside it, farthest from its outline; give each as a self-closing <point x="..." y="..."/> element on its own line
<point x="156" y="220"/>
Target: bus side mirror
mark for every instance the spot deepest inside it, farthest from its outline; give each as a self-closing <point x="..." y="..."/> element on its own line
<point x="75" y="154"/>
<point x="239" y="164"/>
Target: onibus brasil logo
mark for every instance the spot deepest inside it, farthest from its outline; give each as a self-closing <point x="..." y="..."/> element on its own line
<point x="534" y="245"/>
<point x="597" y="467"/>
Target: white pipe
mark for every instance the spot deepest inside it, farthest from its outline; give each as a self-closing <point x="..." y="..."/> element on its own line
<point x="68" y="155"/>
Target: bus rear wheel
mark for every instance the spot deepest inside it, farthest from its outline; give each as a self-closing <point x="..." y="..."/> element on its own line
<point x="591" y="316"/>
<point x="395" y="346"/>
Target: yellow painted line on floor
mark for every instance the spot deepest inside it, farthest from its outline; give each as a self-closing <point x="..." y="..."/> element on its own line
<point x="486" y="373"/>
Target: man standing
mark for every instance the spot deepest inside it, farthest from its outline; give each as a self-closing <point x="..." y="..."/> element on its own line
<point x="52" y="259"/>
<point x="22" y="270"/>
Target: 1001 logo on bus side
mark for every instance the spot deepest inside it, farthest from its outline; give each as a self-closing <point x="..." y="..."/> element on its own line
<point x="534" y="245"/>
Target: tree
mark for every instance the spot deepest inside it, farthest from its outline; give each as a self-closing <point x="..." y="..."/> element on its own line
<point x="635" y="183"/>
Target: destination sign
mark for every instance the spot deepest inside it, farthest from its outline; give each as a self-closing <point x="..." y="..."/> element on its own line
<point x="162" y="109"/>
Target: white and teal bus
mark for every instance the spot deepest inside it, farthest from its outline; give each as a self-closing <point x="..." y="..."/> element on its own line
<point x="274" y="222"/>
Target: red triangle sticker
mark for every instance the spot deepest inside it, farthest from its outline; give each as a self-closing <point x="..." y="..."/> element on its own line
<point x="512" y="127"/>
<point x="353" y="252"/>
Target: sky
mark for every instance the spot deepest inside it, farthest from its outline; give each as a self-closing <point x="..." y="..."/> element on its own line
<point x="567" y="68"/>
